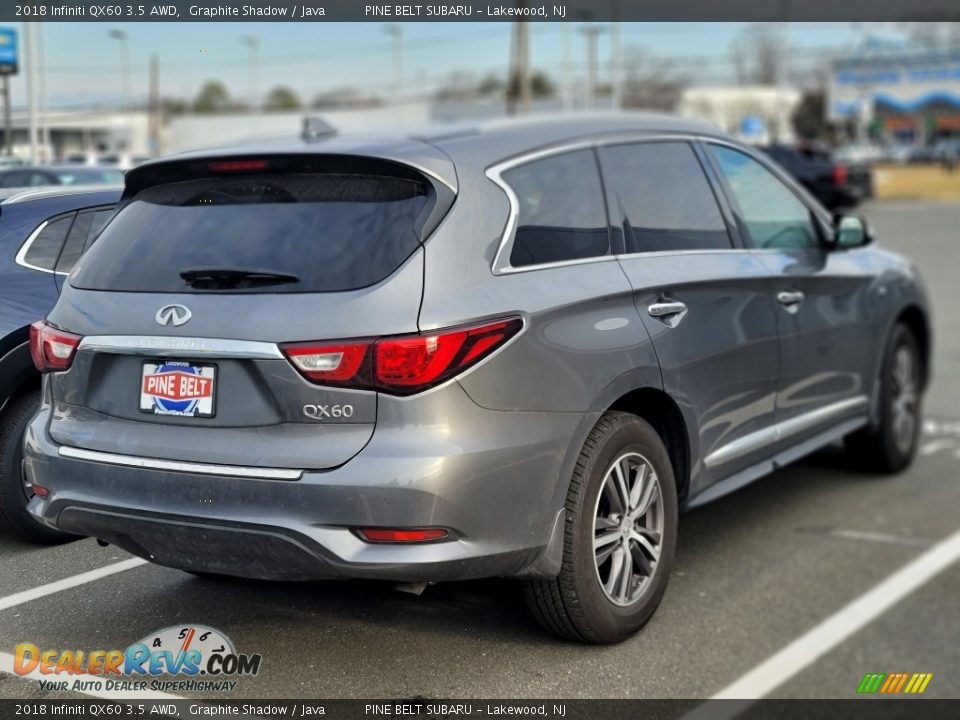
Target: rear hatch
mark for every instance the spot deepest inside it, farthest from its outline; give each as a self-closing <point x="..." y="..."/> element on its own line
<point x="191" y="295"/>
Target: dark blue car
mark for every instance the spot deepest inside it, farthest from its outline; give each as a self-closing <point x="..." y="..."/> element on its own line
<point x="43" y="232"/>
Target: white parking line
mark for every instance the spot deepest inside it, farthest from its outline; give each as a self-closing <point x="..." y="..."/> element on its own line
<point x="6" y="666"/>
<point x="820" y="639"/>
<point x="71" y="582"/>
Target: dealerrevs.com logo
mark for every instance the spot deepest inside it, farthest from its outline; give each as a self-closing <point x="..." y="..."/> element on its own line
<point x="201" y="658"/>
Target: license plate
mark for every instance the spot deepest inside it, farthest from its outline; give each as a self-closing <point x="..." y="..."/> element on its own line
<point x="178" y="388"/>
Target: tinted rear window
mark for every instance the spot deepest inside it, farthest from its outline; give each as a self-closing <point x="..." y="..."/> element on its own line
<point x="333" y="232"/>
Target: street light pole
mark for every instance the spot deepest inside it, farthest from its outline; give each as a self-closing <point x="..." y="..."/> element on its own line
<point x="31" y="95"/>
<point x="396" y="32"/>
<point x="42" y="87"/>
<point x="591" y="31"/>
<point x="121" y="37"/>
<point x="253" y="43"/>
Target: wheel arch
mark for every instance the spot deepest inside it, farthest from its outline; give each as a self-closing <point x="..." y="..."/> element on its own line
<point x="17" y="373"/>
<point x="665" y="416"/>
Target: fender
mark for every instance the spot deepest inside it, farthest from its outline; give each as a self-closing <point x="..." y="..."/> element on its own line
<point x="16" y="369"/>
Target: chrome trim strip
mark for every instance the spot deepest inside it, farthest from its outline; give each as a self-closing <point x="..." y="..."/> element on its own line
<point x="21" y="258"/>
<point x="774" y="433"/>
<point x="180" y="466"/>
<point x="163" y="346"/>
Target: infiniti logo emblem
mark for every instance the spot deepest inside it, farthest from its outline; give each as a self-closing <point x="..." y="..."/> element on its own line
<point x="175" y="315"/>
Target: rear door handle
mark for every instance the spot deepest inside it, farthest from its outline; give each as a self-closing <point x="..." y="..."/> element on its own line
<point x="665" y="309"/>
<point x="790" y="297"/>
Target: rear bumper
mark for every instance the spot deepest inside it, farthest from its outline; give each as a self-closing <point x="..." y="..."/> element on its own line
<point x="495" y="479"/>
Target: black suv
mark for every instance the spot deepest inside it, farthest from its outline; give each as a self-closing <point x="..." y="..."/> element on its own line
<point x="835" y="184"/>
<point x="42" y="234"/>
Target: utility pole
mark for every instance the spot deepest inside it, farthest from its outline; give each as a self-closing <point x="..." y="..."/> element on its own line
<point x="567" y="90"/>
<point x="42" y="92"/>
<point x="31" y="95"/>
<point x="153" y="107"/>
<point x="121" y="37"/>
<point x="591" y="31"/>
<point x="518" y="82"/>
<point x="253" y="44"/>
<point x="616" y="57"/>
<point x="7" y="129"/>
<point x="396" y="32"/>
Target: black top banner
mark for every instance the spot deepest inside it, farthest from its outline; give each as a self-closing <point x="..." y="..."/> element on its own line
<point x="507" y="11"/>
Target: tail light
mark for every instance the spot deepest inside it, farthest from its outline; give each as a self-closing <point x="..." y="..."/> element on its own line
<point x="400" y="365"/>
<point x="52" y="350"/>
<point x="840" y="174"/>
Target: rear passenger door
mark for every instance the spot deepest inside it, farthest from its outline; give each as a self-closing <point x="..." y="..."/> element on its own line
<point x="704" y="299"/>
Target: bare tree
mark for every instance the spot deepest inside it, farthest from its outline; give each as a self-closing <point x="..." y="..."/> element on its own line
<point x="758" y="54"/>
<point x="649" y="82"/>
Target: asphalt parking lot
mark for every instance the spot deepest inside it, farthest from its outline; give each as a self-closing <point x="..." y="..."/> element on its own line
<point x="755" y="571"/>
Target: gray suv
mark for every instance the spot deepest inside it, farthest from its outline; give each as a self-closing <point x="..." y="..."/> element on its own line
<point x="514" y="350"/>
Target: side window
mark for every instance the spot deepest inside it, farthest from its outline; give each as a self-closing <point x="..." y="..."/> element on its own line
<point x="45" y="247"/>
<point x="15" y="179"/>
<point x="85" y="228"/>
<point x="664" y="196"/>
<point x="100" y="218"/>
<point x="562" y="215"/>
<point x="775" y="216"/>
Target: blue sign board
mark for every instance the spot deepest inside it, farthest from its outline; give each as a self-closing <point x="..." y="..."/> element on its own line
<point x="8" y="51"/>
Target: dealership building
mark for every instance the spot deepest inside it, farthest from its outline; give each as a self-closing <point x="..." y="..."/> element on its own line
<point x="899" y="93"/>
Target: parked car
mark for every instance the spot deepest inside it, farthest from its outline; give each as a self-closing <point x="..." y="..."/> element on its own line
<point x="834" y="183"/>
<point x="42" y="233"/>
<point x="41" y="176"/>
<point x="515" y="350"/>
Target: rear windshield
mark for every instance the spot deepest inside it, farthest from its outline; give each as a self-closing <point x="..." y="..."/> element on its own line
<point x="300" y="232"/>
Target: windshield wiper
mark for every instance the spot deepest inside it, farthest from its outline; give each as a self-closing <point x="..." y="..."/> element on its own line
<point x="224" y="278"/>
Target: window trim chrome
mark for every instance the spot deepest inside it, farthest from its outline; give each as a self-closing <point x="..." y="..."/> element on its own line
<point x="780" y="431"/>
<point x="501" y="263"/>
<point x="167" y="346"/>
<point x="21" y="257"/>
<point x="75" y="453"/>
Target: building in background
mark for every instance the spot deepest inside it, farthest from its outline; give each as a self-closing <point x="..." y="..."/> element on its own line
<point x="897" y="93"/>
<point x="756" y="113"/>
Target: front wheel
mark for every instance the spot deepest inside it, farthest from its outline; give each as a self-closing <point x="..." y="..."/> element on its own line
<point x="891" y="445"/>
<point x="620" y="536"/>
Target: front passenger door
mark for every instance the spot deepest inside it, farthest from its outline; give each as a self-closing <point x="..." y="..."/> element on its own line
<point x="705" y="302"/>
<point x="822" y="314"/>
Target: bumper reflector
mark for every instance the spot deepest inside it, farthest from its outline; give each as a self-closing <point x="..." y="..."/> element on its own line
<point x="396" y="535"/>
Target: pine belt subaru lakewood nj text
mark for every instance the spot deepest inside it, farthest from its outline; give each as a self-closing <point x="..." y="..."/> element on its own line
<point x="511" y="350"/>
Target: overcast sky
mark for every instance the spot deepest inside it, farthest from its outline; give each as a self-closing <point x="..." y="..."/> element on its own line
<point x="83" y="62"/>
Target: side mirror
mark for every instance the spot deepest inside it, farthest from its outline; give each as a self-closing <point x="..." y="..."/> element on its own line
<point x="851" y="231"/>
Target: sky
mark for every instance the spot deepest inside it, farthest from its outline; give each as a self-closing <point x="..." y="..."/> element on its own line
<point x="83" y="62"/>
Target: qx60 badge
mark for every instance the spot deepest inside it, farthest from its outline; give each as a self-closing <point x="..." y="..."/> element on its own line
<point x="175" y="315"/>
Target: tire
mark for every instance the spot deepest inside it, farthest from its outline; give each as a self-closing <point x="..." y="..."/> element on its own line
<point x="891" y="445"/>
<point x="14" y="518"/>
<point x="576" y="605"/>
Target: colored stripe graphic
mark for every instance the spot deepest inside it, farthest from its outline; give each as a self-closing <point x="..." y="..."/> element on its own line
<point x="871" y="682"/>
<point x="894" y="683"/>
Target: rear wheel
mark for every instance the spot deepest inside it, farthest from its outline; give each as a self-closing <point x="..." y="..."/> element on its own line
<point x="891" y="445"/>
<point x="620" y="536"/>
<point x="15" y="493"/>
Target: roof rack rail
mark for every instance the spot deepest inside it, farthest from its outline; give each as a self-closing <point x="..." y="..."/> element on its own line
<point x="315" y="128"/>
